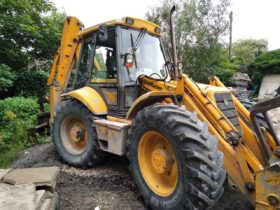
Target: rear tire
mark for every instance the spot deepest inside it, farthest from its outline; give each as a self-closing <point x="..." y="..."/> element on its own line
<point x="200" y="175"/>
<point x="70" y="119"/>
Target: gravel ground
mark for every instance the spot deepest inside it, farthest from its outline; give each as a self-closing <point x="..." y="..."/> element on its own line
<point x="109" y="185"/>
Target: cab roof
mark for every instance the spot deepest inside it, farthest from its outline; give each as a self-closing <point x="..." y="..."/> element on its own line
<point x="129" y="22"/>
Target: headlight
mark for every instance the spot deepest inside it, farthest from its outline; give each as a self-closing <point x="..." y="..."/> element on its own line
<point x="158" y="30"/>
<point x="129" y="21"/>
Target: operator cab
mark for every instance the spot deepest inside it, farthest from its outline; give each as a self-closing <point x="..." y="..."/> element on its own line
<point x="113" y="56"/>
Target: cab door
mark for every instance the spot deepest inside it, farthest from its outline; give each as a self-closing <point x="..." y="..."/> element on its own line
<point x="105" y="75"/>
<point x="98" y="68"/>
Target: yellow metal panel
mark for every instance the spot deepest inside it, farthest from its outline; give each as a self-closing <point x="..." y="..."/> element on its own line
<point x="91" y="99"/>
<point x="138" y="24"/>
<point x="145" y="97"/>
<point x="268" y="188"/>
<point x="54" y="101"/>
<point x="54" y="68"/>
<point x="211" y="108"/>
<point x="251" y="141"/>
<point x="111" y="95"/>
<point x="104" y="81"/>
<point x="68" y="46"/>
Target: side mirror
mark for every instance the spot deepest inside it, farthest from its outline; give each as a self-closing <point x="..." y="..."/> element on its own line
<point x="103" y="33"/>
<point x="180" y="67"/>
<point x="128" y="60"/>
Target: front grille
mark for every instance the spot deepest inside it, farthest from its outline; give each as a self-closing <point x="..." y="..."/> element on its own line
<point x="225" y="104"/>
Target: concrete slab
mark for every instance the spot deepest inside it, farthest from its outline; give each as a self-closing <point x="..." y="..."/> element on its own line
<point x="269" y="84"/>
<point x="40" y="196"/>
<point x="54" y="203"/>
<point x="45" y="176"/>
<point x="3" y="172"/>
<point x="46" y="205"/>
<point x="17" y="197"/>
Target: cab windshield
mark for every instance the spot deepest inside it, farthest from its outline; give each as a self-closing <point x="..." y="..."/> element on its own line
<point x="149" y="56"/>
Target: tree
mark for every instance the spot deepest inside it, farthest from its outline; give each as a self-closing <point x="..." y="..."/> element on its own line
<point x="7" y="77"/>
<point x="246" y="50"/>
<point x="267" y="63"/>
<point x="32" y="82"/>
<point x="29" y="29"/>
<point x="200" y="28"/>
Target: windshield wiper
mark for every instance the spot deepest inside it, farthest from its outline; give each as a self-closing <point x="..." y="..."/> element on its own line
<point x="135" y="45"/>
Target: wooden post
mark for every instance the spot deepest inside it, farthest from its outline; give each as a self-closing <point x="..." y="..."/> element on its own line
<point x="230" y="36"/>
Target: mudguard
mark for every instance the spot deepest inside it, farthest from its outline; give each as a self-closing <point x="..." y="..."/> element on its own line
<point x="147" y="99"/>
<point x="90" y="98"/>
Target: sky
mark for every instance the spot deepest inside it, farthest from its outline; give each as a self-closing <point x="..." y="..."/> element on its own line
<point x="251" y="18"/>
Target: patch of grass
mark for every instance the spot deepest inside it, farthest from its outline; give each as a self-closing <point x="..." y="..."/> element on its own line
<point x="9" y="154"/>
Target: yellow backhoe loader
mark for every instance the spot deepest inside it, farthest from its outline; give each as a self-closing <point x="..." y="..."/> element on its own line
<point x="113" y="90"/>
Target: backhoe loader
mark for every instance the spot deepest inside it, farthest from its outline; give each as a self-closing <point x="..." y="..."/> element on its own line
<point x="114" y="90"/>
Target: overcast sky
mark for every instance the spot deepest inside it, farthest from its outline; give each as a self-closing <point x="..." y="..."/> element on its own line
<point x="251" y="18"/>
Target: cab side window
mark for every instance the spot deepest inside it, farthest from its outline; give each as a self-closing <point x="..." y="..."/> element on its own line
<point x="105" y="60"/>
<point x="84" y="61"/>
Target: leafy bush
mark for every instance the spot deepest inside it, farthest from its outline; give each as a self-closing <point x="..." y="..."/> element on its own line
<point x="7" y="77"/>
<point x="17" y="115"/>
<point x="32" y="84"/>
<point x="267" y="63"/>
<point x="224" y="75"/>
<point x="246" y="50"/>
<point x="24" y="109"/>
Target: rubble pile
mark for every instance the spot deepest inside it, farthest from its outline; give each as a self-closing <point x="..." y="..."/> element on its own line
<point x="240" y="84"/>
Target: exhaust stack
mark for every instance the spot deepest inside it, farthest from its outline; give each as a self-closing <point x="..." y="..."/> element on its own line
<point x="173" y="44"/>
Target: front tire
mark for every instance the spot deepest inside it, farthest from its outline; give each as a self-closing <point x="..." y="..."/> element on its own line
<point x="75" y="137"/>
<point x="174" y="160"/>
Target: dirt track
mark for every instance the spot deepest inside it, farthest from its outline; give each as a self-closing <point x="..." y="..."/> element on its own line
<point x="109" y="185"/>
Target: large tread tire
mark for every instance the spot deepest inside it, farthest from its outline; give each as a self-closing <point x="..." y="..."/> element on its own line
<point x="200" y="172"/>
<point x="91" y="156"/>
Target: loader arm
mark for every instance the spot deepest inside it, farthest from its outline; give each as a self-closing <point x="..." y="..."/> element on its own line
<point x="244" y="160"/>
<point x="265" y="146"/>
<point x="64" y="57"/>
<point x="63" y="60"/>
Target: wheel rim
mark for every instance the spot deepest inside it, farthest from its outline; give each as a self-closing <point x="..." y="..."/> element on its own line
<point x="158" y="163"/>
<point x="74" y="135"/>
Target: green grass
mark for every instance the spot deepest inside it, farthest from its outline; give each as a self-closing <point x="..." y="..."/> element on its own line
<point x="9" y="154"/>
